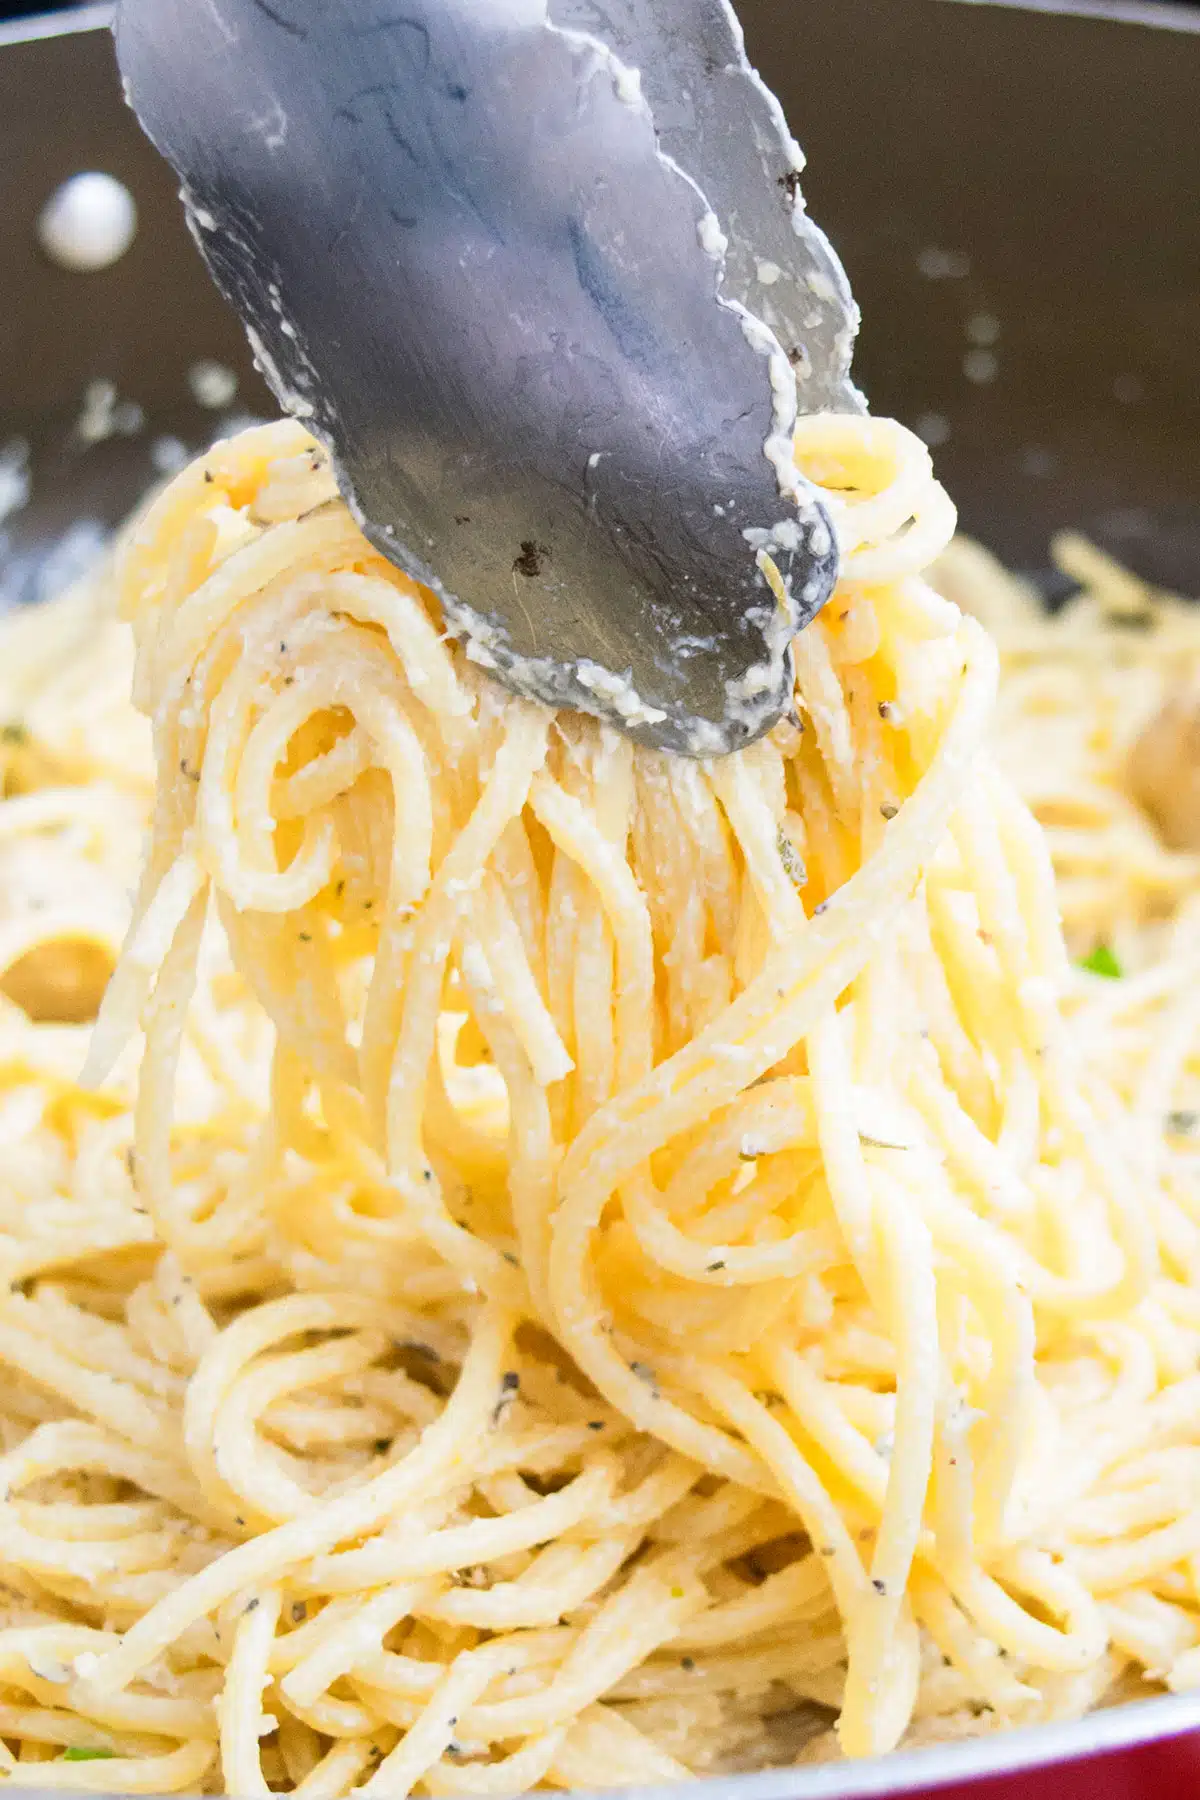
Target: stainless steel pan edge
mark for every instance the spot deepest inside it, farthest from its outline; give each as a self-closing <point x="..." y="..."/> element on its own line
<point x="1146" y="1747"/>
<point x="55" y="24"/>
<point x="1164" y="14"/>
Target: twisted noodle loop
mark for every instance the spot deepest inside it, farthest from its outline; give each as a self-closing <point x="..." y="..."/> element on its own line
<point x="673" y="1276"/>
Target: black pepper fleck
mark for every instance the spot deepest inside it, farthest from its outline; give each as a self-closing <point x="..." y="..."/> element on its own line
<point x="529" y="561"/>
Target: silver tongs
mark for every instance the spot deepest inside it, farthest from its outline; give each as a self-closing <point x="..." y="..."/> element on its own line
<point x="541" y="278"/>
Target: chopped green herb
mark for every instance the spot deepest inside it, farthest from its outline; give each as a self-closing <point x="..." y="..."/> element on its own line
<point x="793" y="862"/>
<point x="77" y="1753"/>
<point x="1182" y="1124"/>
<point x="1103" y="962"/>
<point x="14" y="734"/>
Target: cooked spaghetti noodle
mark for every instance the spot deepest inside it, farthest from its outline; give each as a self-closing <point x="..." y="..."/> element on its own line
<point x="610" y="1263"/>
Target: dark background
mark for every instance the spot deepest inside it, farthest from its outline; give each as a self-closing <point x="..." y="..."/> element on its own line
<point x="19" y="9"/>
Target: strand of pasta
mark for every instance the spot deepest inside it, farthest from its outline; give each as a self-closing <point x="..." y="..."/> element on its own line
<point x="614" y="1299"/>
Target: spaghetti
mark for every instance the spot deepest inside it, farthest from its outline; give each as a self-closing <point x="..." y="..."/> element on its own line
<point x="610" y="1263"/>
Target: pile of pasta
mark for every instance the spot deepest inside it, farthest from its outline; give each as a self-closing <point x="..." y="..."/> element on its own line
<point x="568" y="1266"/>
<point x="1097" y="708"/>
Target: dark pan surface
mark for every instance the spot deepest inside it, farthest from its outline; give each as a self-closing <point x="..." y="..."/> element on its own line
<point x="142" y="325"/>
<point x="1058" y="160"/>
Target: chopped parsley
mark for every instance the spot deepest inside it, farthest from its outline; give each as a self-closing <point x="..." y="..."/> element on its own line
<point x="78" y="1753"/>
<point x="1103" y="962"/>
<point x="790" y="857"/>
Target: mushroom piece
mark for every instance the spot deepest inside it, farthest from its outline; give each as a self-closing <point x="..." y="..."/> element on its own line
<point x="1164" y="770"/>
